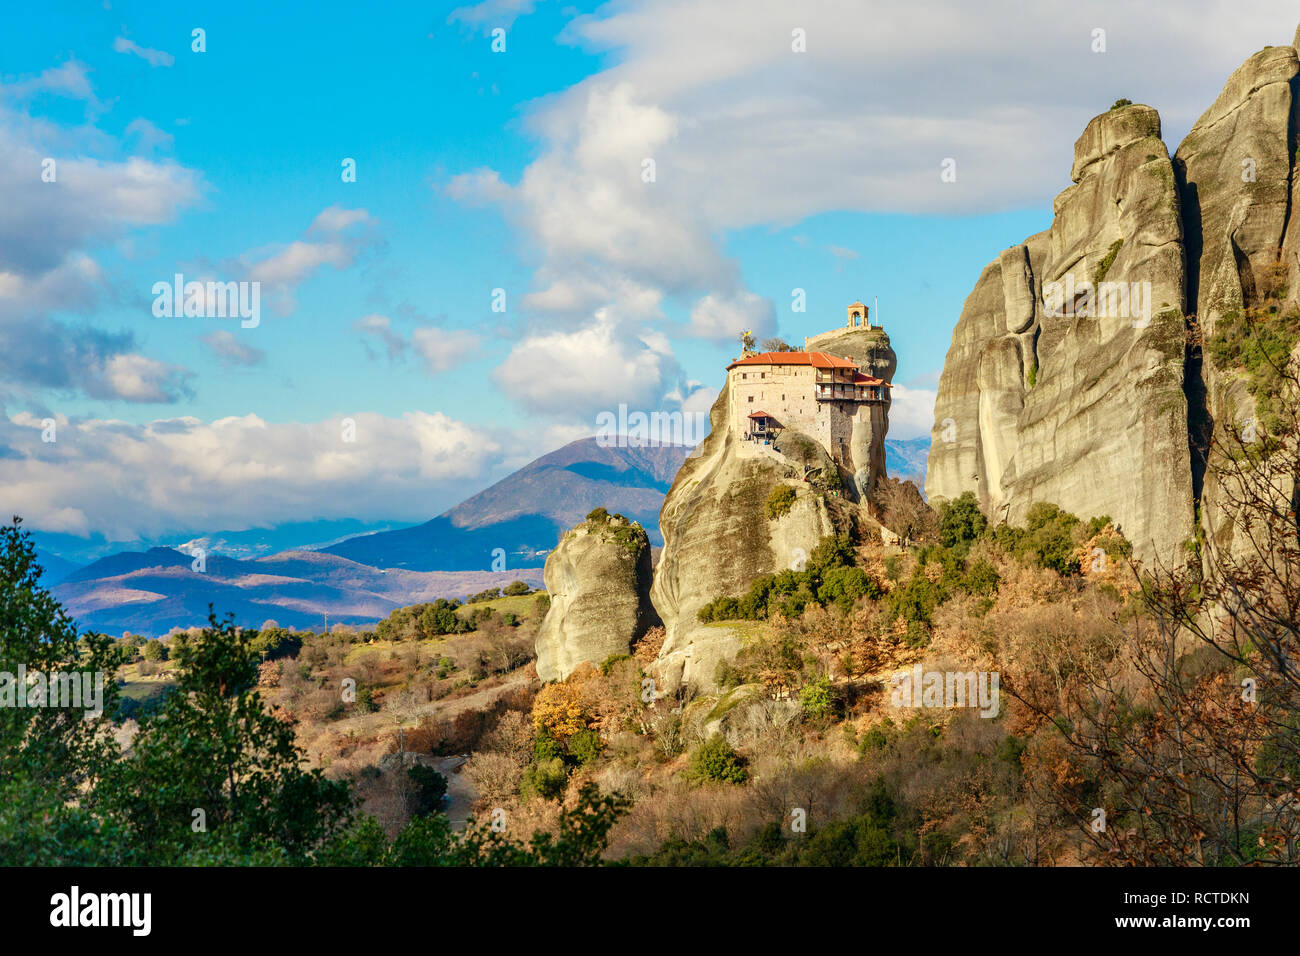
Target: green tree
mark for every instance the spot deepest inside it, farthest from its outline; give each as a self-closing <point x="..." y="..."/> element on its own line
<point x="961" y="521"/>
<point x="516" y="588"/>
<point x="430" y="789"/>
<point x="51" y="758"/>
<point x="214" y="747"/>
<point x="714" y="761"/>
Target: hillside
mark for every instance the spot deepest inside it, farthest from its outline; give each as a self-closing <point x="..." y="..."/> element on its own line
<point x="526" y="512"/>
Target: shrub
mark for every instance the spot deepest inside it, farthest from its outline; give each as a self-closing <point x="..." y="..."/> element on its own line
<point x="545" y="778"/>
<point x="516" y="589"/>
<point x="1050" y="538"/>
<point x="843" y="586"/>
<point x="154" y="651"/>
<point x="981" y="578"/>
<point x="714" y="761"/>
<point x="820" y="699"/>
<point x="780" y="501"/>
<point x="961" y="521"/>
<point x="430" y="789"/>
<point x="584" y="747"/>
<point x="598" y="515"/>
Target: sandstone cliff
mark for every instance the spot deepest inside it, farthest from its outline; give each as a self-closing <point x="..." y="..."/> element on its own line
<point x="1237" y="172"/>
<point x="598" y="577"/>
<point x="718" y="538"/>
<point x="1076" y="373"/>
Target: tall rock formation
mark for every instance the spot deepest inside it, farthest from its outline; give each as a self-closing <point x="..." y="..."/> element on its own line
<point x="598" y="577"/>
<point x="718" y="538"/>
<point x="1237" y="170"/>
<point x="1064" y="381"/>
<point x="1121" y="417"/>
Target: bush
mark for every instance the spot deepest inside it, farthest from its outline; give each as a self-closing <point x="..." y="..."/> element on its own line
<point x="545" y="778"/>
<point x="154" y="651"/>
<point x="780" y="501"/>
<point x="1050" y="538"/>
<point x="820" y="699"/>
<point x="584" y="747"/>
<point x="961" y="521"/>
<point x="430" y="789"/>
<point x="516" y="589"/>
<point x="714" y="761"/>
<point x="598" y="515"/>
<point x="273" y="643"/>
<point x="981" y="578"/>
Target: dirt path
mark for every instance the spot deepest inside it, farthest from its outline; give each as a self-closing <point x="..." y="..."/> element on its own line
<point x="460" y="791"/>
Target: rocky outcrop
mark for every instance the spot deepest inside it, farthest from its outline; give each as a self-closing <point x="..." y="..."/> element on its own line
<point x="718" y="538"/>
<point x="1237" y="172"/>
<point x="1120" y="418"/>
<point x="598" y="577"/>
<point x="1064" y="380"/>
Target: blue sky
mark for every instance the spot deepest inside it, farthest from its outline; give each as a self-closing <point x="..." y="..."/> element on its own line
<point x="521" y="170"/>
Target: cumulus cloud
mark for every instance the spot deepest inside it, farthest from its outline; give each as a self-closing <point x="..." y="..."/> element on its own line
<point x="231" y="352"/>
<point x="127" y="480"/>
<point x="46" y="231"/>
<point x="152" y="57"/>
<point x="911" y="412"/>
<point x="723" y="319"/>
<point x="581" y="372"/>
<point x="330" y="240"/>
<point x="437" y="348"/>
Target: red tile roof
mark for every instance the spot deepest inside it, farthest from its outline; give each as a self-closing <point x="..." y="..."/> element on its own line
<point x="759" y="415"/>
<point x="864" y="379"/>
<point x="815" y="359"/>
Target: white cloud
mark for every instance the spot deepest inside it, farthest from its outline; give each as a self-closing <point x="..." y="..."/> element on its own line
<point x="137" y="378"/>
<point x="723" y="319"/>
<point x="578" y="373"/>
<point x="152" y="57"/>
<point x="478" y="188"/>
<point x="911" y="412"/>
<point x="492" y="13"/>
<point x="182" y="473"/>
<point x="47" y="231"/>
<point x="442" y="349"/>
<point x="281" y="269"/>
<point x="438" y="349"/>
<point x="230" y="352"/>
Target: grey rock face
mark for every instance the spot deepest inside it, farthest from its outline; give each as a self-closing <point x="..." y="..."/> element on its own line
<point x="1054" y="393"/>
<point x="1121" y="416"/>
<point x="599" y="581"/>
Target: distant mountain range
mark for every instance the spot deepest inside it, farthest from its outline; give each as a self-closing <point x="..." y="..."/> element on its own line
<point x="907" y="458"/>
<point x="362" y="579"/>
<point x="151" y="592"/>
<point x="525" y="513"/>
